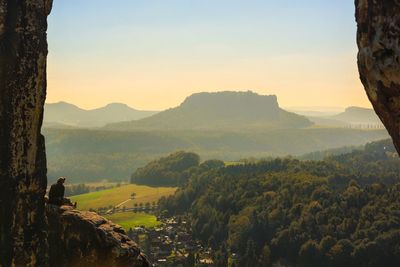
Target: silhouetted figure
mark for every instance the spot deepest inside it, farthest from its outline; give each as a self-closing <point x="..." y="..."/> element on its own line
<point x="56" y="194"/>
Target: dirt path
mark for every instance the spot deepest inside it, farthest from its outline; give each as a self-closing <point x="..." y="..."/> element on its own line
<point x="120" y="204"/>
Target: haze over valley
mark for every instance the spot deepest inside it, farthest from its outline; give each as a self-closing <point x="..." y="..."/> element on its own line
<point x="112" y="142"/>
<point x="64" y="114"/>
<point x="204" y="133"/>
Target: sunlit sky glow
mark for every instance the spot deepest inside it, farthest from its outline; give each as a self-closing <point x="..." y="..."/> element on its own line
<point x="151" y="54"/>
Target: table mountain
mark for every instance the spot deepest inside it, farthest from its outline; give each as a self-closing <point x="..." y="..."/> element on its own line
<point x="358" y="115"/>
<point x="222" y="110"/>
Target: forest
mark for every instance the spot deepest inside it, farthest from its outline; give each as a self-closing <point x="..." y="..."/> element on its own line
<point x="94" y="155"/>
<point x="342" y="211"/>
<point x="173" y="170"/>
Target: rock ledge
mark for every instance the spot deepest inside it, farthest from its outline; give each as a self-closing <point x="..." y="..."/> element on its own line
<point x="83" y="238"/>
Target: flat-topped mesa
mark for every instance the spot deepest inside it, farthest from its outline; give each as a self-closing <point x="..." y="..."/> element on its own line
<point x="226" y="111"/>
<point x="378" y="40"/>
<point x="83" y="238"/>
<point x="231" y="103"/>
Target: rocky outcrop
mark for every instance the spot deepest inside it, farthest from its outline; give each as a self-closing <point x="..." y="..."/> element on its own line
<point x="378" y="40"/>
<point x="23" y="51"/>
<point x="83" y="238"/>
<point x="72" y="238"/>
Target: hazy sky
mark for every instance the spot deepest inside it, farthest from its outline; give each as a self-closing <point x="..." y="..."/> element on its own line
<point x="151" y="54"/>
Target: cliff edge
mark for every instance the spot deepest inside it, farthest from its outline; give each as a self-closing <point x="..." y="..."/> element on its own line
<point x="83" y="238"/>
<point x="378" y="40"/>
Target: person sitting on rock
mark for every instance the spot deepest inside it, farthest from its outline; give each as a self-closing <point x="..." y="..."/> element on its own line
<point x="56" y="194"/>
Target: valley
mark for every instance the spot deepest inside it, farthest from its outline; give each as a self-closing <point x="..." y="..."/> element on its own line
<point x="272" y="210"/>
<point x="129" y="205"/>
<point x="200" y="133"/>
<point x="228" y="126"/>
<point x="212" y="175"/>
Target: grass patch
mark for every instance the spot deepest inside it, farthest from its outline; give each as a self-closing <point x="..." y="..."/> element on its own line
<point x="114" y="196"/>
<point x="130" y="219"/>
<point x="233" y="163"/>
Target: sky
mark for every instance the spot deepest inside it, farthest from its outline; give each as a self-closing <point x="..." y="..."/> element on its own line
<point x="152" y="54"/>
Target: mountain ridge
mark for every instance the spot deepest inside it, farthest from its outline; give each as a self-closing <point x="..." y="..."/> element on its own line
<point x="220" y="110"/>
<point x="64" y="114"/>
<point x="351" y="116"/>
<point x="358" y="115"/>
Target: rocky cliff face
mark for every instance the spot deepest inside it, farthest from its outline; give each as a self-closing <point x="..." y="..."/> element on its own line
<point x="82" y="238"/>
<point x="25" y="240"/>
<point x="378" y="40"/>
<point x="23" y="51"/>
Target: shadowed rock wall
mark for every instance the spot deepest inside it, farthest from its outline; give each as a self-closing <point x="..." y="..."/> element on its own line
<point x="71" y="238"/>
<point x="23" y="51"/>
<point x="378" y="40"/>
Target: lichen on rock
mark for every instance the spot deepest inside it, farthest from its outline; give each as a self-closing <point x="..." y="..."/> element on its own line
<point x="378" y="39"/>
<point x="23" y="51"/>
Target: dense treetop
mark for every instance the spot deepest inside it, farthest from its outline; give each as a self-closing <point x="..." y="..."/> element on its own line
<point x="343" y="211"/>
<point x="167" y="171"/>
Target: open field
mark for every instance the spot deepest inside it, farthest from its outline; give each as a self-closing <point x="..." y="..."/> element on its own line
<point x="233" y="163"/>
<point x="117" y="195"/>
<point x="130" y="219"/>
<point x="104" y="183"/>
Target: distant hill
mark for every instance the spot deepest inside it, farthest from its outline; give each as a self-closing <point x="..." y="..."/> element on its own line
<point x="166" y="171"/>
<point x="383" y="146"/>
<point x="321" y="112"/>
<point x="358" y="115"/>
<point x="62" y="114"/>
<point x="352" y="116"/>
<point x="221" y="110"/>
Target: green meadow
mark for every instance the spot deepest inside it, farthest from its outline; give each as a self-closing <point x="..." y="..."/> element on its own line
<point x="117" y="195"/>
<point x="233" y="163"/>
<point x="122" y="194"/>
<point x="131" y="219"/>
